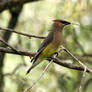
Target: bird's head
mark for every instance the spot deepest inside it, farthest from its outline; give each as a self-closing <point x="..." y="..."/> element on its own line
<point x="61" y="23"/>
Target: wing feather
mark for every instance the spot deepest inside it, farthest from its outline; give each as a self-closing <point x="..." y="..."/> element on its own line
<point x="48" y="39"/>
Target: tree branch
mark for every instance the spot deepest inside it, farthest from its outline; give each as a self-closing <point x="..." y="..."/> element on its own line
<point x="21" y="33"/>
<point x="19" y="52"/>
<point x="15" y="12"/>
<point x="69" y="65"/>
<point x="7" y="44"/>
<point x="84" y="66"/>
<point x="55" y="60"/>
<point x="7" y="4"/>
<point x="82" y="80"/>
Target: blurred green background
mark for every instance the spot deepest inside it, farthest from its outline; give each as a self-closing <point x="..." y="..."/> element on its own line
<point x="36" y="18"/>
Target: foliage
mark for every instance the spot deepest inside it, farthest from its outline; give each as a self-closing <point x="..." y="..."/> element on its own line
<point x="36" y="18"/>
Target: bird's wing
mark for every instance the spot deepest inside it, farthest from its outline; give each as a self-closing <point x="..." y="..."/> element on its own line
<point x="48" y="39"/>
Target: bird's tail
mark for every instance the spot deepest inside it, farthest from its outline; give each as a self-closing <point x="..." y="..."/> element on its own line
<point x="34" y="63"/>
<point x="29" y="69"/>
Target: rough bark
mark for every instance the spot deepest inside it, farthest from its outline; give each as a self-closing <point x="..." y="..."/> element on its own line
<point x="15" y="11"/>
<point x="8" y="4"/>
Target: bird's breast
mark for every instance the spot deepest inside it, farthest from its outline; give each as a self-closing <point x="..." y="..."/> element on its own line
<point x="54" y="45"/>
<point x="57" y="38"/>
<point x="49" y="50"/>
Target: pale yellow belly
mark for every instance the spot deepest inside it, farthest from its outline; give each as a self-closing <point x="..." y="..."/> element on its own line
<point x="49" y="50"/>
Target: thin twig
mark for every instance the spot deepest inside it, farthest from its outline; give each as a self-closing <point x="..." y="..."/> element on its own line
<point x="21" y="33"/>
<point x="41" y="75"/>
<point x="76" y="59"/>
<point x="20" y="52"/>
<point x="34" y="83"/>
<point x="82" y="80"/>
<point x="8" y="44"/>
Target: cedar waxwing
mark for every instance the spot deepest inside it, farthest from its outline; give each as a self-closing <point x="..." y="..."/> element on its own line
<point x="51" y="44"/>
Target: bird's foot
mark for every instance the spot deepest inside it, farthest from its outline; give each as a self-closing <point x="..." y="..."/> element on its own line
<point x="56" y="53"/>
<point x="49" y="58"/>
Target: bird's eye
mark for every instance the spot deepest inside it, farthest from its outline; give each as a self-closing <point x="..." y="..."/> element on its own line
<point x="65" y="22"/>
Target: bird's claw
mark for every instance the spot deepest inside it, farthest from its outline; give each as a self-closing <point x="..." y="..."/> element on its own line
<point x="56" y="53"/>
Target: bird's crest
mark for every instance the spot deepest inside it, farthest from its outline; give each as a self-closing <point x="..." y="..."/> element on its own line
<point x="62" y="21"/>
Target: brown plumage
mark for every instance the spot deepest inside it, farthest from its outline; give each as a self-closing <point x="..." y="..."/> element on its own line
<point x="51" y="44"/>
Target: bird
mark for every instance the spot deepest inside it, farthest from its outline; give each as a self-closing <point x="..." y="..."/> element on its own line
<point x="51" y="43"/>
